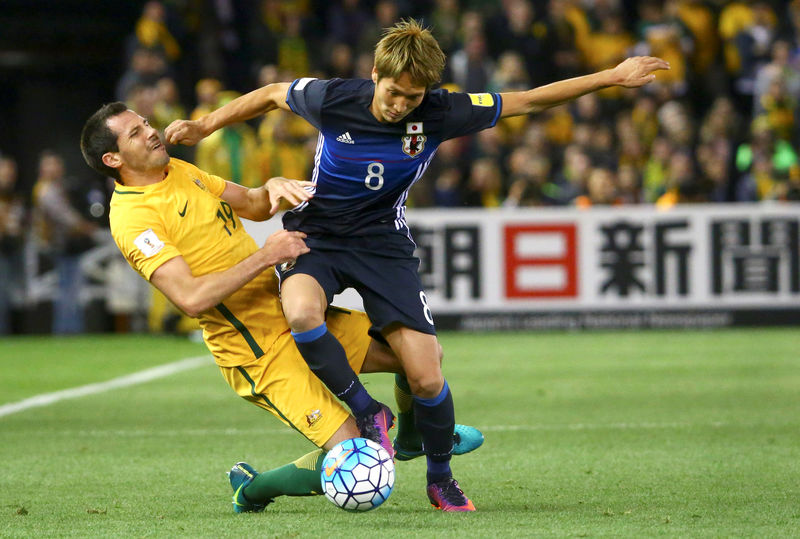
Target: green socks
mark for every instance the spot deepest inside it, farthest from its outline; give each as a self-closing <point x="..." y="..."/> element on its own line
<point x="407" y="434"/>
<point x="298" y="478"/>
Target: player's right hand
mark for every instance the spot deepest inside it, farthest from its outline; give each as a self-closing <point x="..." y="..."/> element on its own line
<point x="186" y="132"/>
<point x="285" y="246"/>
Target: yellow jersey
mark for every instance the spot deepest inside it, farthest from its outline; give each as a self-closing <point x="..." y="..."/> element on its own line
<point x="183" y="215"/>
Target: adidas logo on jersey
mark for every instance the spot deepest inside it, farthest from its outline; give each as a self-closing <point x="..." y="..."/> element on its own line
<point x="345" y="137"/>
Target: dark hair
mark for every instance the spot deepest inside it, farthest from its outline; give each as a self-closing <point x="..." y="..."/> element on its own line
<point x="98" y="139"/>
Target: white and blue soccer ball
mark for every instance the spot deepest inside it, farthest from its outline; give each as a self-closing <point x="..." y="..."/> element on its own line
<point x="357" y="475"/>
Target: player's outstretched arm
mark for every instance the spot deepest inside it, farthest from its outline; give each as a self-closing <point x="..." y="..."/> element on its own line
<point x="196" y="294"/>
<point x="250" y="105"/>
<point x="263" y="202"/>
<point x="631" y="73"/>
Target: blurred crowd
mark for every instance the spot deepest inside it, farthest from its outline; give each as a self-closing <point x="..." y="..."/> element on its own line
<point x="719" y="126"/>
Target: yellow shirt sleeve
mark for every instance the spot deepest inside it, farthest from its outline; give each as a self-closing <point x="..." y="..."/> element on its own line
<point x="144" y="241"/>
<point x="214" y="184"/>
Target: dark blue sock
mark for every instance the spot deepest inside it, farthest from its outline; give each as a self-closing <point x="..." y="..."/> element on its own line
<point x="328" y="360"/>
<point x="435" y="420"/>
<point x="438" y="470"/>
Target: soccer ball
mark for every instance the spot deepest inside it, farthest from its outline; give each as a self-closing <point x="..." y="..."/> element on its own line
<point x="357" y="474"/>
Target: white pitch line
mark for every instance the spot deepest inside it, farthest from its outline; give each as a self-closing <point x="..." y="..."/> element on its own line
<point x="101" y="387"/>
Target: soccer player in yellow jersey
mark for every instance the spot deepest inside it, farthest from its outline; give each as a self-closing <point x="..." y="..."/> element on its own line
<point x="179" y="228"/>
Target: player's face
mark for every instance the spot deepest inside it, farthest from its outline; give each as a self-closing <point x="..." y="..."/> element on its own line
<point x="394" y="99"/>
<point x="140" y="146"/>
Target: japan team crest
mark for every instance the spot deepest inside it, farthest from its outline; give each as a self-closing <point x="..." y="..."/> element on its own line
<point x="413" y="144"/>
<point x="414" y="140"/>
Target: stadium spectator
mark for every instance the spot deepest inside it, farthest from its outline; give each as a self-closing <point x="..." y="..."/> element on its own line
<point x="529" y="179"/>
<point x="152" y="33"/>
<point x="444" y="20"/>
<point x="781" y="67"/>
<point x="747" y="29"/>
<point x="144" y="98"/>
<point x="293" y="51"/>
<point x="483" y="184"/>
<point x="515" y="28"/>
<point x="225" y="51"/>
<point x="682" y="183"/>
<point x="145" y="69"/>
<point x="340" y="62"/>
<point x="168" y="105"/>
<point x="699" y="19"/>
<point x="12" y="236"/>
<point x="64" y="234"/>
<point x="573" y="174"/>
<point x="629" y="184"/>
<point x="764" y="147"/>
<point x="790" y="190"/>
<point x="661" y="33"/>
<point x="631" y="149"/>
<point x="676" y="124"/>
<point x="266" y="25"/>
<point x="607" y="46"/>
<point x="561" y="38"/>
<point x="385" y="13"/>
<point x="779" y="107"/>
<point x="470" y="67"/>
<point x="207" y="96"/>
<point x="346" y="20"/>
<point x="714" y="159"/>
<point x="601" y="189"/>
<point x="656" y="169"/>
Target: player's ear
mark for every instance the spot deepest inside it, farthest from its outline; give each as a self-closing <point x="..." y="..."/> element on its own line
<point x="112" y="159"/>
<point x="374" y="75"/>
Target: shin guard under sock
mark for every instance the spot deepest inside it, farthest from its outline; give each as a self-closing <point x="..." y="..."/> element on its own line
<point x="327" y="359"/>
<point x="435" y="419"/>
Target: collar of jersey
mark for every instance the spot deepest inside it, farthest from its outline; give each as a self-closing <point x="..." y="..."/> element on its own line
<point x="121" y="189"/>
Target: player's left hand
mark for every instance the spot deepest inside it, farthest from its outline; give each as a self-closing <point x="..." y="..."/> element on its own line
<point x="293" y="192"/>
<point x="637" y="71"/>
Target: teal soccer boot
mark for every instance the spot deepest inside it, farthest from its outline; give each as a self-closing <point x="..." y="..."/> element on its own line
<point x="465" y="439"/>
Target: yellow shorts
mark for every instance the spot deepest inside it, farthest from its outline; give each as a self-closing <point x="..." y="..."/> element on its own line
<point x="281" y="382"/>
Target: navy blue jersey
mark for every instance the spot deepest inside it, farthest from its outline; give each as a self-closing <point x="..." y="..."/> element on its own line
<point x="363" y="168"/>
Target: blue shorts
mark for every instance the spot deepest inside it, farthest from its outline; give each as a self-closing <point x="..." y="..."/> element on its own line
<point x="381" y="268"/>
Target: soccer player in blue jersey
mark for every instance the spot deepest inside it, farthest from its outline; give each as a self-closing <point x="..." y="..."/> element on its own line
<point x="376" y="138"/>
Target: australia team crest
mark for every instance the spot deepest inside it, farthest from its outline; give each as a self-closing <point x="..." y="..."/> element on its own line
<point x="414" y="140"/>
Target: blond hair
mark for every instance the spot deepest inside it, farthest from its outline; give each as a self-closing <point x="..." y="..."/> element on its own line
<point x="408" y="47"/>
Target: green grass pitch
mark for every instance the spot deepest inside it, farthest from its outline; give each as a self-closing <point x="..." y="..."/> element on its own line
<point x="623" y="434"/>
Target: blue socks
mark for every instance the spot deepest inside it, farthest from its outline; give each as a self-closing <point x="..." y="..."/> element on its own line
<point x="435" y="420"/>
<point x="327" y="359"/>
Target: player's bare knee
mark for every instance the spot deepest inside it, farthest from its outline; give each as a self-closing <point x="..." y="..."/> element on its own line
<point x="303" y="317"/>
<point x="427" y="386"/>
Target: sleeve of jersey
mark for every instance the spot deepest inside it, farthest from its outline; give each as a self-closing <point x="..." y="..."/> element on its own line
<point x="215" y="184"/>
<point x="470" y="113"/>
<point x="305" y="97"/>
<point x="144" y="242"/>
